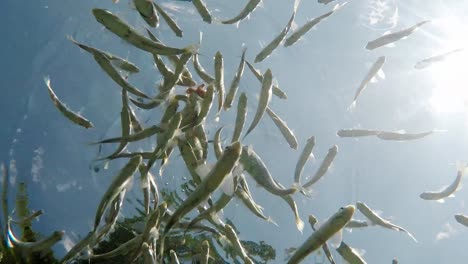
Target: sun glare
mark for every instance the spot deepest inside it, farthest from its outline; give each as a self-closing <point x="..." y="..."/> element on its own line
<point x="447" y="69"/>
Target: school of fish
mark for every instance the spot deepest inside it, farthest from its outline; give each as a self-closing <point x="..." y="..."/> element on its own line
<point x="183" y="129"/>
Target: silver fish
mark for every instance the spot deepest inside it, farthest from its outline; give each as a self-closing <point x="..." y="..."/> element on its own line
<point x="200" y="5"/>
<point x="444" y="193"/>
<point x="268" y="49"/>
<point x="349" y="254"/>
<point x="265" y="97"/>
<point x="219" y="78"/>
<point x="377" y="220"/>
<point x="276" y="90"/>
<point x="357" y="132"/>
<point x="147" y="12"/>
<point x="305" y="155"/>
<point x="402" y="136"/>
<point x="128" y="33"/>
<point x="240" y="117"/>
<point x="462" y="219"/>
<point x="372" y="72"/>
<point x="170" y="22"/>
<point x="300" y="32"/>
<point x="235" y="83"/>
<point x="72" y="116"/>
<point x="327" y="161"/>
<point x="283" y="127"/>
<point x="313" y="221"/>
<point x="254" y="165"/>
<point x="249" y="8"/>
<point x="210" y="183"/>
<point x="200" y="71"/>
<point x="333" y="225"/>
<point x="114" y="59"/>
<point x="434" y="59"/>
<point x="119" y="183"/>
<point x="392" y="37"/>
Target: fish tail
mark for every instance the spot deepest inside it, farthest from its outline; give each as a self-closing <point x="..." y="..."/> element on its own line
<point x="193" y="48"/>
<point x="299" y="224"/>
<point x="352" y="106"/>
<point x="270" y="220"/>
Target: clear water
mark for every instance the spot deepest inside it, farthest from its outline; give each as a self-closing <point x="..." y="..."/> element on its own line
<point x="320" y="74"/>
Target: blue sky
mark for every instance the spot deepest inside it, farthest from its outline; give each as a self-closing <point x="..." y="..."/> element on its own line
<point x="320" y="74"/>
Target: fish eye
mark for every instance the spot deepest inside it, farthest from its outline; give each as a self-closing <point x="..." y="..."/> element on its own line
<point x="341" y="208"/>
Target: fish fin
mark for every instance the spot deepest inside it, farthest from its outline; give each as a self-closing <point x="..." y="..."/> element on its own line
<point x="441" y="201"/>
<point x="336" y="239"/>
<point x="373" y="80"/>
<point x="203" y="169"/>
<point x="381" y="74"/>
<point x="390" y="45"/>
<point x="270" y="220"/>
<point x="227" y="186"/>
<point x="410" y="235"/>
<point x="352" y="106"/>
<point x="299" y="224"/>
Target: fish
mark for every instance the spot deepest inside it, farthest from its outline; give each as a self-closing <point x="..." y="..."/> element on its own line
<point x="448" y="191"/>
<point x="169" y="84"/>
<point x="253" y="207"/>
<point x="403" y="136"/>
<point x="377" y="220"/>
<point x="353" y="223"/>
<point x="200" y="5"/>
<point x="119" y="27"/>
<point x="240" y="117"/>
<point x="268" y="49"/>
<point x="375" y="68"/>
<point x="234" y="239"/>
<point x="146" y="10"/>
<point x="209" y="184"/>
<point x="205" y="254"/>
<point x="200" y="71"/>
<point x="333" y="225"/>
<point x="357" y="132"/>
<point x="283" y="127"/>
<point x="186" y="77"/>
<point x="78" y="247"/>
<point x="115" y="60"/>
<point x="206" y="105"/>
<point x="124" y="123"/>
<point x="349" y="254"/>
<point x="325" y="2"/>
<point x="254" y="165"/>
<point x="275" y="90"/>
<point x="219" y="78"/>
<point x="174" y="258"/>
<point x="124" y="249"/>
<point x="235" y="83"/>
<point x="393" y="37"/>
<point x="434" y="59"/>
<point x="28" y="248"/>
<point x="218" y="149"/>
<point x="249" y="8"/>
<point x="301" y="31"/>
<point x="327" y="161"/>
<point x="117" y="185"/>
<point x="313" y="221"/>
<point x="462" y="219"/>
<point x="72" y="116"/>
<point x="145" y="133"/>
<point x="170" y="22"/>
<point x="305" y="155"/>
<point x="265" y="97"/>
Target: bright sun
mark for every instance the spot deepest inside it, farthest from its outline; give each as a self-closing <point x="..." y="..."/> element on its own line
<point x="449" y="75"/>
